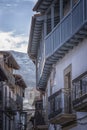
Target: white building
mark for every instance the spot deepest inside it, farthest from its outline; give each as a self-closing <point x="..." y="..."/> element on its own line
<point x="58" y="46"/>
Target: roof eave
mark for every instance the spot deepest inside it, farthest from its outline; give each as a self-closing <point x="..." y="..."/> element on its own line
<point x="20" y="79"/>
<point x="35" y="8"/>
<point x="11" y="59"/>
<point x="35" y="19"/>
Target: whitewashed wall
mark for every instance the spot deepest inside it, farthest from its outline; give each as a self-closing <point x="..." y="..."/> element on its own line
<point x="78" y="59"/>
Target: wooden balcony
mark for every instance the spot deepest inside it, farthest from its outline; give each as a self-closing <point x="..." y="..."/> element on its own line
<point x="60" y="111"/>
<point x="7" y="75"/>
<point x="10" y="106"/>
<point x="80" y="93"/>
<point x="11" y="79"/>
<point x="67" y="34"/>
<point x="69" y="31"/>
<point x="19" y="102"/>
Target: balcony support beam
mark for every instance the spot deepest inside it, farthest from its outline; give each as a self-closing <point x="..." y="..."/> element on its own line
<point x="50" y="62"/>
<point x="64" y="48"/>
<point x="79" y="36"/>
<point x="84" y="32"/>
<point x="74" y="40"/>
<point x="62" y="51"/>
<point x="70" y="45"/>
<point x="58" y="55"/>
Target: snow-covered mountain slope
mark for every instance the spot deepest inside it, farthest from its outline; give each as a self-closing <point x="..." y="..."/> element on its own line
<point x="27" y="68"/>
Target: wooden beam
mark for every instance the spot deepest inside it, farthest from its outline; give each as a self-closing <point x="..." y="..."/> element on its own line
<point x="84" y="32"/>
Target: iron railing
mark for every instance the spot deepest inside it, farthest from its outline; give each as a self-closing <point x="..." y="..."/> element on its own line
<point x="59" y="103"/>
<point x="55" y="104"/>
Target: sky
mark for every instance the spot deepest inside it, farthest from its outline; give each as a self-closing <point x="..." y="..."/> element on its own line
<point x="15" y="21"/>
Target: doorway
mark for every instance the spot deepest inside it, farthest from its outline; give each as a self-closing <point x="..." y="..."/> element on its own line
<point x="67" y="89"/>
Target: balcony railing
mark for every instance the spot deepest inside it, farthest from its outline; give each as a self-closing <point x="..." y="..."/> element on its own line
<point x="80" y="93"/>
<point x="67" y="27"/>
<point x="60" y="110"/>
<point x="19" y="101"/>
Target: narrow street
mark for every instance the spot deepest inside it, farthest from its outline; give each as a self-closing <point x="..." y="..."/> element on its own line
<point x="43" y="65"/>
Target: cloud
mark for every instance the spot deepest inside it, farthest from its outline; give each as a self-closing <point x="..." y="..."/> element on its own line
<point x="10" y="41"/>
<point x="31" y="0"/>
<point x="16" y="1"/>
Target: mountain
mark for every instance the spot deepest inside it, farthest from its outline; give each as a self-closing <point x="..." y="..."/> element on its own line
<point x="27" y="68"/>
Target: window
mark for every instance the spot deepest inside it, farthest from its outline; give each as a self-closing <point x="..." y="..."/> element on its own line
<point x="49" y="22"/>
<point x="67" y="89"/>
<point x="79" y="87"/>
<point x="75" y="2"/>
<point x="53" y="81"/>
<point x="66" y="7"/>
<point x="56" y="13"/>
